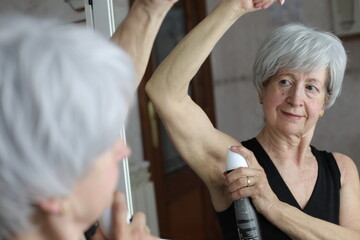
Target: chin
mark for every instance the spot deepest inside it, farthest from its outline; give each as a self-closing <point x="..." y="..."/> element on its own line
<point x="289" y="131"/>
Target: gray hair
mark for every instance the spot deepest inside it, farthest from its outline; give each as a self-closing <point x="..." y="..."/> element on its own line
<point x="64" y="95"/>
<point x="297" y="47"/>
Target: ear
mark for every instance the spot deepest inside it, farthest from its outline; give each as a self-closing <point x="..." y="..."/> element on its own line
<point x="261" y="98"/>
<point x="51" y="205"/>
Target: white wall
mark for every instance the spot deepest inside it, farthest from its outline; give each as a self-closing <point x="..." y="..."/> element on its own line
<point x="237" y="107"/>
<point x="45" y="8"/>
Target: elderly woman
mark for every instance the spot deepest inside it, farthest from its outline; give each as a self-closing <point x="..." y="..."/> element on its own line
<point x="298" y="191"/>
<point x="65" y="92"/>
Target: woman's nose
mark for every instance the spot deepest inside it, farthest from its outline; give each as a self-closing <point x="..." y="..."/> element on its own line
<point x="296" y="97"/>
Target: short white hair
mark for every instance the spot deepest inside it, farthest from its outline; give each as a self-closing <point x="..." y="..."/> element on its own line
<point x="64" y="95"/>
<point x="297" y="47"/>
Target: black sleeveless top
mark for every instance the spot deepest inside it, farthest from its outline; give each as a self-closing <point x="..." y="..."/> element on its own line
<point x="323" y="203"/>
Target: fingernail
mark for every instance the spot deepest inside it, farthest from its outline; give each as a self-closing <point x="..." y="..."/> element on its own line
<point x="282" y="2"/>
<point x="233" y="147"/>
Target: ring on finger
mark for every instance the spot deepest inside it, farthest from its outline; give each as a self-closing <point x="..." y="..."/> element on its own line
<point x="248" y="182"/>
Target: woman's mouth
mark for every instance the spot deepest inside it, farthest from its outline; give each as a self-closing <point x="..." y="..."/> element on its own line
<point x="291" y="115"/>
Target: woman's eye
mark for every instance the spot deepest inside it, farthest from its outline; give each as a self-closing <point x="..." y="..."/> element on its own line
<point x="312" y="88"/>
<point x="284" y="82"/>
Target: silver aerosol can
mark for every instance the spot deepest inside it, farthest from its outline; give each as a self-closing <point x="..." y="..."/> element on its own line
<point x="246" y="219"/>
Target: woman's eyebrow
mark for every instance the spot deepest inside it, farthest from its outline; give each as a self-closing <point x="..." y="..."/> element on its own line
<point x="287" y="75"/>
<point x="313" y="80"/>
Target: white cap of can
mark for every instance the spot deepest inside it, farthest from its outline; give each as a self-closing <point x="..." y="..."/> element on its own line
<point x="234" y="160"/>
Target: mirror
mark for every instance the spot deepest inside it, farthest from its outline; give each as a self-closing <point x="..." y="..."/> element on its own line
<point x="100" y="17"/>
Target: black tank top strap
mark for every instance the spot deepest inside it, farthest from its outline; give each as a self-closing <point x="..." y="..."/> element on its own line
<point x="327" y="189"/>
<point x="329" y="162"/>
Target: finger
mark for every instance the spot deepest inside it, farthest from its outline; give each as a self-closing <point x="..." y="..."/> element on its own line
<point x="242" y="182"/>
<point x="258" y="5"/>
<point x="242" y="193"/>
<point x="241" y="172"/>
<point x="139" y="226"/>
<point x="247" y="154"/>
<point x="139" y="221"/>
<point x="237" y="184"/>
<point x="99" y="235"/>
<point x="234" y="175"/>
<point x="261" y="3"/>
<point x="242" y="151"/>
<point x="250" y="181"/>
<point x="256" y="2"/>
<point x="119" y="215"/>
<point x="267" y="4"/>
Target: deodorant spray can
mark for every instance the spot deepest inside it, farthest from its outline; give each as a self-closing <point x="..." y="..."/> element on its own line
<point x="246" y="219"/>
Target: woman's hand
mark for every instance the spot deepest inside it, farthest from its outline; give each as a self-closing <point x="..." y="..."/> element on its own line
<point x="263" y="4"/>
<point x="121" y="229"/>
<point x="136" y="33"/>
<point x="245" y="6"/>
<point x="250" y="182"/>
<point x="157" y="6"/>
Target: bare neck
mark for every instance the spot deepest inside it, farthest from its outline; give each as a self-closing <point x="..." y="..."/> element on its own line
<point x="285" y="150"/>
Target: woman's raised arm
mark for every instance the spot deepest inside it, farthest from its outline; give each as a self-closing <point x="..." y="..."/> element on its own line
<point x="136" y="34"/>
<point x="201" y="145"/>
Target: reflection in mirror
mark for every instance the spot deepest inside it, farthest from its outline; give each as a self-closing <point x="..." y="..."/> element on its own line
<point x="102" y="17"/>
<point x="171" y="32"/>
<point x="138" y="177"/>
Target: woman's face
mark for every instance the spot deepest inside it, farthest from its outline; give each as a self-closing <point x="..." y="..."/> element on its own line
<point x="94" y="193"/>
<point x="293" y="101"/>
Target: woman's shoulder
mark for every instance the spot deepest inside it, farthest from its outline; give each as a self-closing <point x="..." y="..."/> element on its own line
<point x="346" y="166"/>
<point x="344" y="162"/>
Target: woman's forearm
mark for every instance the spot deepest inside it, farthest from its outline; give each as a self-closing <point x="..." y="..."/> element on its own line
<point x="136" y="34"/>
<point x="174" y="74"/>
<point x="299" y="225"/>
